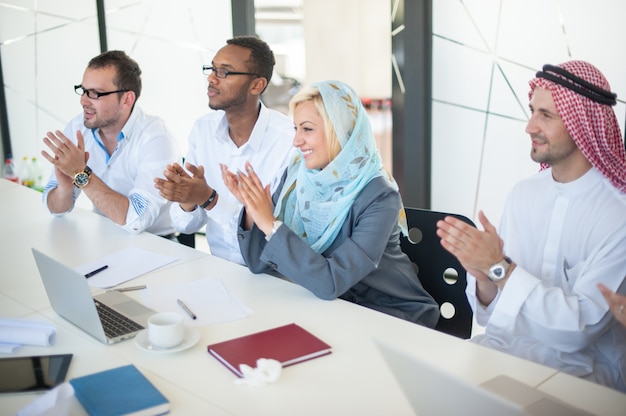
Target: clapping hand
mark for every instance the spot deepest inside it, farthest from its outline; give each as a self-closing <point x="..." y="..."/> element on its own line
<point x="179" y="186"/>
<point x="67" y="157"/>
<point x="255" y="197"/>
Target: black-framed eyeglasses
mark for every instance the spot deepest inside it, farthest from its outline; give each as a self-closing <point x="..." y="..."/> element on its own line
<point x="223" y="73"/>
<point x="93" y="94"/>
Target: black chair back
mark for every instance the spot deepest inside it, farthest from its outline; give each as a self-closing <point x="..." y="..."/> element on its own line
<point x="439" y="271"/>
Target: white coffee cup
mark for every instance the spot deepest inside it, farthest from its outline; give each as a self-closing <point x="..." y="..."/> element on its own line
<point x="166" y="329"/>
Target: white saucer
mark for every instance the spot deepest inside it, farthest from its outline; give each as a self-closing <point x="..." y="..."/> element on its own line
<point x="142" y="342"/>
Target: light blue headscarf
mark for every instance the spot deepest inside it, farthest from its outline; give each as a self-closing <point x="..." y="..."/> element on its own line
<point x="315" y="203"/>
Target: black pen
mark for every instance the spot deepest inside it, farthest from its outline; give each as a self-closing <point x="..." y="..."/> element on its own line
<point x="88" y="275"/>
<point x="186" y="309"/>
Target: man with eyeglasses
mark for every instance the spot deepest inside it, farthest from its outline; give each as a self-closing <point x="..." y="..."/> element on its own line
<point x="240" y="129"/>
<point x="112" y="150"/>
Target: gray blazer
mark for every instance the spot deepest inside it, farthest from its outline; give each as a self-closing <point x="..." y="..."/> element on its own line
<point x="364" y="264"/>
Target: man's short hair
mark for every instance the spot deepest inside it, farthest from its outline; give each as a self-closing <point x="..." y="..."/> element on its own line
<point x="261" y="56"/>
<point x="127" y="71"/>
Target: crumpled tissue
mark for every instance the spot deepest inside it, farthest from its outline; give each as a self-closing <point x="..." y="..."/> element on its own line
<point x="56" y="402"/>
<point x="266" y="371"/>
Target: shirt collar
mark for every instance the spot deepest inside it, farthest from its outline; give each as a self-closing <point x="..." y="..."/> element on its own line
<point x="124" y="133"/>
<point x="590" y="179"/>
<point x="130" y="124"/>
<point x="260" y="127"/>
<point x="258" y="131"/>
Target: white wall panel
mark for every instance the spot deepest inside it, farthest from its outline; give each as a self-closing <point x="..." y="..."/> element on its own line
<point x="349" y="40"/>
<point x="518" y="38"/>
<point x="456" y="156"/>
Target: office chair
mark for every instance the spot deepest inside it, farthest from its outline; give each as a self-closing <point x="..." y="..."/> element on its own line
<point x="187" y="239"/>
<point x="439" y="271"/>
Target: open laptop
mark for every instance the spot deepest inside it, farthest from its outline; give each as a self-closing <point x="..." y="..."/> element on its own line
<point x="110" y="317"/>
<point x="432" y="391"/>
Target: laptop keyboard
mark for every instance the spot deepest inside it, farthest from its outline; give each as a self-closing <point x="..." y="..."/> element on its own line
<point x="114" y="323"/>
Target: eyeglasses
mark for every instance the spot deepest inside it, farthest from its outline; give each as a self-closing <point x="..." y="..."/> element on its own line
<point x="94" y="95"/>
<point x="223" y="73"/>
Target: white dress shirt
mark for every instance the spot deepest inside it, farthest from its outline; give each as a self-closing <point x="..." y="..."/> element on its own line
<point x="145" y="147"/>
<point x="269" y="149"/>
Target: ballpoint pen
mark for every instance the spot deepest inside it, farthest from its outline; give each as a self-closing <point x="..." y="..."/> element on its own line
<point x="129" y="288"/>
<point x="186" y="309"/>
<point x="88" y="275"/>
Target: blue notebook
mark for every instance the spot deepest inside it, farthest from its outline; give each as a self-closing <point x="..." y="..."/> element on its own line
<point x="119" y="391"/>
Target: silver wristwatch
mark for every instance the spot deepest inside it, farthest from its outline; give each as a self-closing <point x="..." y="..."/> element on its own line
<point x="499" y="270"/>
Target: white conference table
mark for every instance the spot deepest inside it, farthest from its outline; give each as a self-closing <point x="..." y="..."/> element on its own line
<point x="6" y="184"/>
<point x="352" y="380"/>
<point x="74" y="239"/>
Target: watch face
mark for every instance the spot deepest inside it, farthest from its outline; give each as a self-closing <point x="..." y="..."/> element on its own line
<point x="497" y="272"/>
<point x="81" y="179"/>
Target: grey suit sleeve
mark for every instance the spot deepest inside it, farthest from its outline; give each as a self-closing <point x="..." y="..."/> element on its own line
<point x="356" y="252"/>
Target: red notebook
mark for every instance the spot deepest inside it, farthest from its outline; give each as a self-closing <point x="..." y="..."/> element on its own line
<point x="289" y="344"/>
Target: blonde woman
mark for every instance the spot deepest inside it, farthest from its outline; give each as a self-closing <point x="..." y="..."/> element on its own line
<point x="334" y="223"/>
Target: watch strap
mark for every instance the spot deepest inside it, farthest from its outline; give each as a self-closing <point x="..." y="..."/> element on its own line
<point x="210" y="200"/>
